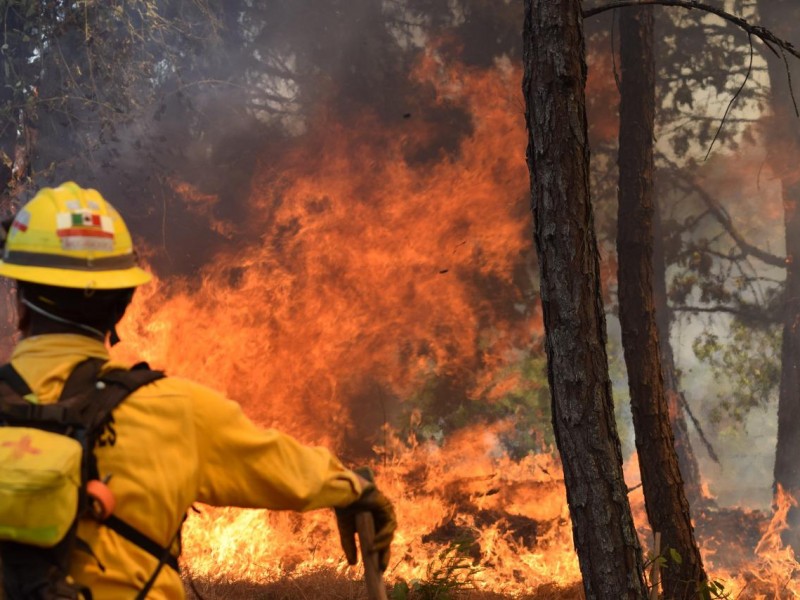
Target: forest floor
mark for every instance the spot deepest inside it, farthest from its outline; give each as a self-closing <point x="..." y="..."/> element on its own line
<point x="328" y="585"/>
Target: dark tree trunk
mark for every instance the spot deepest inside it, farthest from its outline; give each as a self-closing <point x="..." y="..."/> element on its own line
<point x="665" y="499"/>
<point x="583" y="414"/>
<point x="783" y="148"/>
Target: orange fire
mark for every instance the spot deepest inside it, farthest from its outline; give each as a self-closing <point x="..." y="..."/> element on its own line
<point x="364" y="268"/>
<point x="361" y="271"/>
<point x="770" y="570"/>
<point x="509" y="515"/>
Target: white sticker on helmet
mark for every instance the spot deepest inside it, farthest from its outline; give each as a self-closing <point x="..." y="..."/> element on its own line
<point x="21" y="221"/>
<point x="76" y="242"/>
<point x="85" y="230"/>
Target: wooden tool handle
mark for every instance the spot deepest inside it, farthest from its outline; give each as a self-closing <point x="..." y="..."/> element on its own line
<point x="365" y="527"/>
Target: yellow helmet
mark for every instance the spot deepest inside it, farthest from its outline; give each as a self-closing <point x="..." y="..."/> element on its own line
<point x="71" y="237"/>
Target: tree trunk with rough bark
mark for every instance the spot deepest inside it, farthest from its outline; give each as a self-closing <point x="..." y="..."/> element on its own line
<point x="665" y="499"/>
<point x="583" y="414"/>
<point x="783" y="147"/>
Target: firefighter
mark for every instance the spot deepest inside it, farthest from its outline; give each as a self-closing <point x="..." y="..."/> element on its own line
<point x="172" y="442"/>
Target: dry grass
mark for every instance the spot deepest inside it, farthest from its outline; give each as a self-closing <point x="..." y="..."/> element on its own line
<point x="329" y="585"/>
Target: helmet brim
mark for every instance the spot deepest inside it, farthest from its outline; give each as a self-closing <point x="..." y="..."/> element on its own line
<point x="92" y="280"/>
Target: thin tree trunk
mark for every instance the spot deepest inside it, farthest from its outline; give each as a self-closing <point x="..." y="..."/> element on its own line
<point x="665" y="499"/>
<point x="783" y="148"/>
<point x="583" y="415"/>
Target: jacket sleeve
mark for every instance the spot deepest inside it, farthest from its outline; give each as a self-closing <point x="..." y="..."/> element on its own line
<point x="241" y="464"/>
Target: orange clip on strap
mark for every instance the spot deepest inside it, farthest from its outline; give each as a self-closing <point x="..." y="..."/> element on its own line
<point x="101" y="499"/>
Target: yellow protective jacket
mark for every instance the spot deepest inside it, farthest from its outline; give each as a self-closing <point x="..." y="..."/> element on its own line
<point x="178" y="442"/>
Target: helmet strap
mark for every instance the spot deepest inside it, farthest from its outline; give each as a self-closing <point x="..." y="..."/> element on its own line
<point x="38" y="309"/>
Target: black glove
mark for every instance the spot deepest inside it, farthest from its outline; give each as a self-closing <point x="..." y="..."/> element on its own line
<point x="382" y="511"/>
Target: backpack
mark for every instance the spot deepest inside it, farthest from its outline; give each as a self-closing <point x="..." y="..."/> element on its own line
<point x="49" y="479"/>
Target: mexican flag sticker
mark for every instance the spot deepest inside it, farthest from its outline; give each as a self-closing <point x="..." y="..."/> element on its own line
<point x="85" y="230"/>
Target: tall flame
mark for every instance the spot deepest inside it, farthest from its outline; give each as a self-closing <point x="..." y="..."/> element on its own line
<point x="361" y="270"/>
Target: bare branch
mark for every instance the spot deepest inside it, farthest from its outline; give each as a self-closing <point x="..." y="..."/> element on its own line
<point x="789" y="77"/>
<point x="762" y="33"/>
<point x="688" y="117"/>
<point x="752" y="314"/>
<point x="736" y="95"/>
<point x="698" y="428"/>
<point x="715" y="209"/>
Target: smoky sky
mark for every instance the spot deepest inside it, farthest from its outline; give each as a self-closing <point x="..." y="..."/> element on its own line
<point x="208" y="104"/>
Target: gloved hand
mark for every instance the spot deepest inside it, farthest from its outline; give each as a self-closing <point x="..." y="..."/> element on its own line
<point x="375" y="503"/>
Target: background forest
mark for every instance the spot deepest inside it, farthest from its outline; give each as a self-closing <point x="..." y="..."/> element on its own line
<point x="334" y="199"/>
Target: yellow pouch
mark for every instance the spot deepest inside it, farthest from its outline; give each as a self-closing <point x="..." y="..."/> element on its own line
<point x="40" y="478"/>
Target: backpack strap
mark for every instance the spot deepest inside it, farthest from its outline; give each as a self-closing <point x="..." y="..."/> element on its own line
<point x="167" y="558"/>
<point x="117" y="385"/>
<point x="10" y="376"/>
<point x="86" y="401"/>
<point x="77" y="381"/>
<point x="89" y="398"/>
<point x="16" y="408"/>
<point x="82" y="378"/>
<point x="162" y="553"/>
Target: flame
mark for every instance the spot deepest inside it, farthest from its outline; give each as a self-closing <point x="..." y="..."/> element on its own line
<point x="484" y="500"/>
<point x="363" y="266"/>
<point x="770" y="570"/>
<point x="359" y="272"/>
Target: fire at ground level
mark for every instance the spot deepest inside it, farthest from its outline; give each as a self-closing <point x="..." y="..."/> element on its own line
<point x="473" y="528"/>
